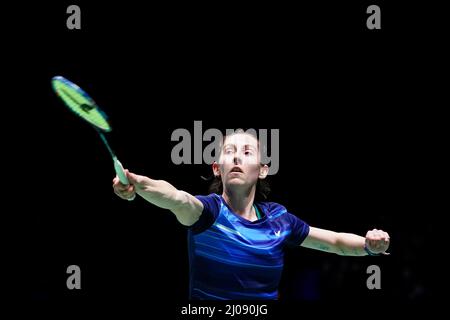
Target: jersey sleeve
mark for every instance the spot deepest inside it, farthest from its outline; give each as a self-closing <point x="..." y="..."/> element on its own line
<point x="299" y="230"/>
<point x="211" y="208"/>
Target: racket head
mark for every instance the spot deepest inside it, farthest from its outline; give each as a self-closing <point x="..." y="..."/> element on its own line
<point x="80" y="103"/>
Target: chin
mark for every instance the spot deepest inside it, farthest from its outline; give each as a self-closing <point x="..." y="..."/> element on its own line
<point x="236" y="182"/>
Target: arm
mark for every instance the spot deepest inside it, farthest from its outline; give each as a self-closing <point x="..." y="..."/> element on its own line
<point x="347" y="244"/>
<point x="186" y="207"/>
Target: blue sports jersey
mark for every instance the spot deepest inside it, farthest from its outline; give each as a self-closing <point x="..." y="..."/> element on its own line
<point x="233" y="258"/>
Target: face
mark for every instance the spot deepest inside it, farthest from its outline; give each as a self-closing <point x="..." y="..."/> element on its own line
<point x="239" y="162"/>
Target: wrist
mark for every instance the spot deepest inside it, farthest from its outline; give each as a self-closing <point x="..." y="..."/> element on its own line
<point x="370" y="253"/>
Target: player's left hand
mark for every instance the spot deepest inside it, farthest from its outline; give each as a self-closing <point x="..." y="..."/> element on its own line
<point x="377" y="241"/>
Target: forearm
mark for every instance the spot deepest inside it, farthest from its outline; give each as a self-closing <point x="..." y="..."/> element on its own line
<point x="160" y="193"/>
<point x="186" y="207"/>
<point x="346" y="244"/>
<point x="349" y="244"/>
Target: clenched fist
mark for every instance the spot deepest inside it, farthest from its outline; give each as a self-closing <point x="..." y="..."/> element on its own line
<point x="126" y="192"/>
<point x="377" y="241"/>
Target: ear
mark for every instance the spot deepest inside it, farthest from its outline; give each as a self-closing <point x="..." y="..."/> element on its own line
<point x="216" y="169"/>
<point x="263" y="171"/>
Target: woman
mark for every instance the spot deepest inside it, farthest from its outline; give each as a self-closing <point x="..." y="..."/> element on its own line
<point x="235" y="243"/>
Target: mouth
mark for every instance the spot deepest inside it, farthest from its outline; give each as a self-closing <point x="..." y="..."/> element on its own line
<point x="236" y="169"/>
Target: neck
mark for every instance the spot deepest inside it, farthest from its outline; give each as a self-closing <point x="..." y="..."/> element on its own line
<point x="241" y="202"/>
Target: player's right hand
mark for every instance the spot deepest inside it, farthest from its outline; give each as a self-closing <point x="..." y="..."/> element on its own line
<point x="126" y="192"/>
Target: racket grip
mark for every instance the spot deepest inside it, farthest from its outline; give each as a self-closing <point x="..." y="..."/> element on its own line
<point x="120" y="172"/>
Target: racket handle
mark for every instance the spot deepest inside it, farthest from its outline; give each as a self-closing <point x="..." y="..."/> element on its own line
<point x="120" y="172"/>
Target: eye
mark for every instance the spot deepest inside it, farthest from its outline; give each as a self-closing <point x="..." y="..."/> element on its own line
<point x="248" y="153"/>
<point x="228" y="151"/>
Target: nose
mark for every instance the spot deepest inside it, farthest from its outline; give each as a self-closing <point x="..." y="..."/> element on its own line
<point x="237" y="158"/>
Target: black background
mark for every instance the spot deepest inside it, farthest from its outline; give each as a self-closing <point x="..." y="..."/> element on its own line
<point x="349" y="102"/>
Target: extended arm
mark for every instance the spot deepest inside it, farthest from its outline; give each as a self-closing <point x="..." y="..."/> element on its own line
<point x="347" y="244"/>
<point x="186" y="207"/>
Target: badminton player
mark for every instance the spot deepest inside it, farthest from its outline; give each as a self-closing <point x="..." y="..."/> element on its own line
<point x="235" y="240"/>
